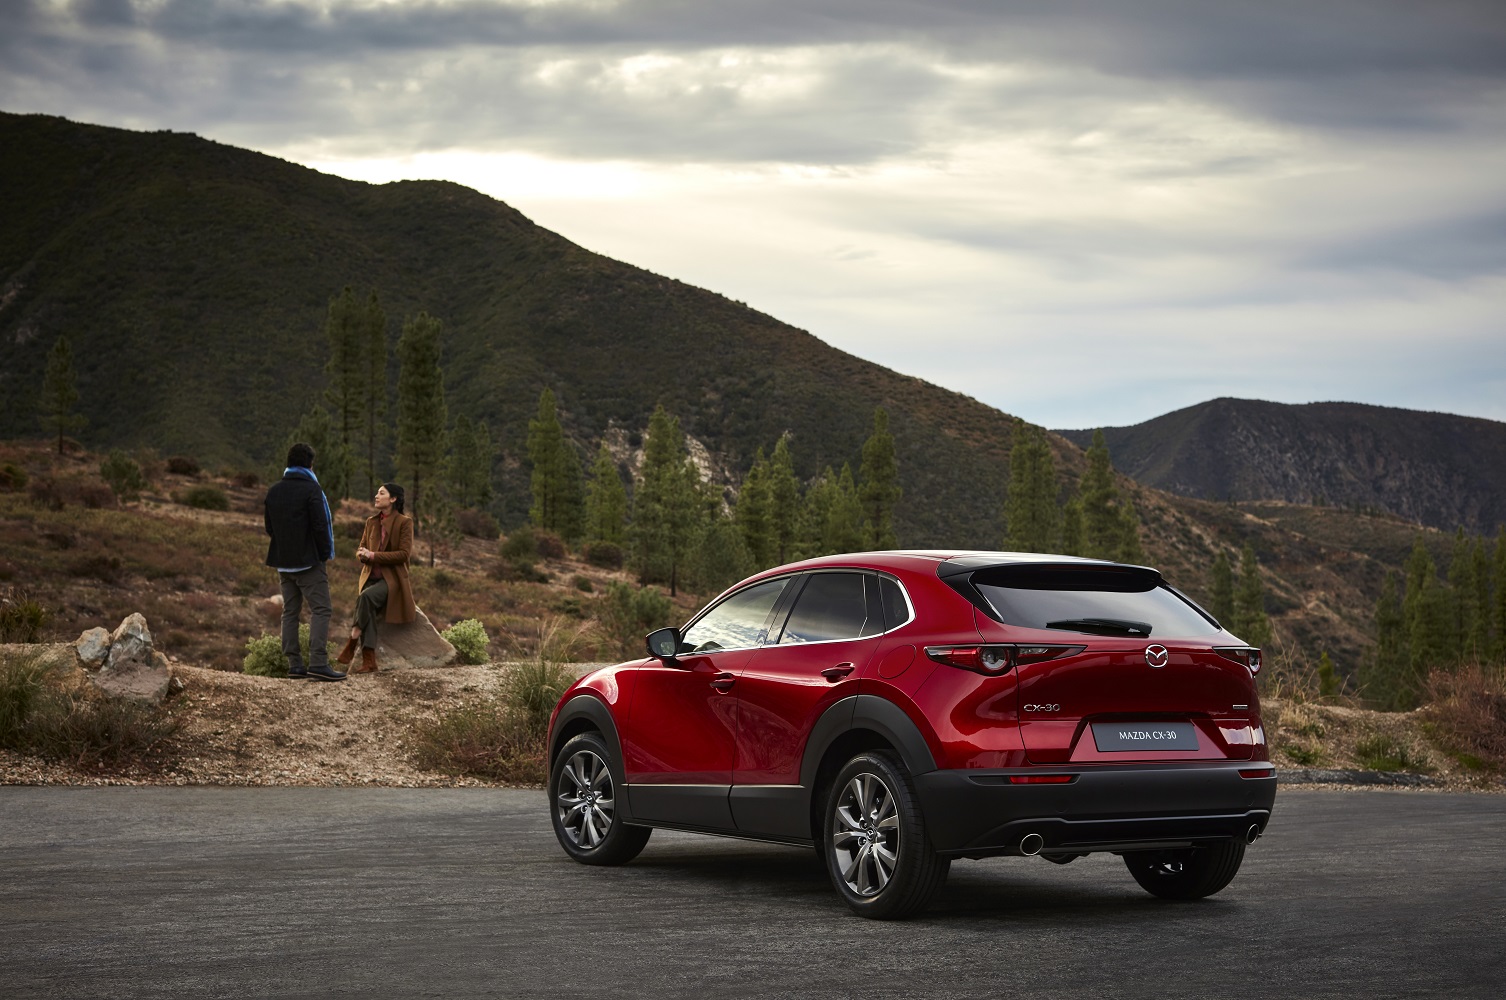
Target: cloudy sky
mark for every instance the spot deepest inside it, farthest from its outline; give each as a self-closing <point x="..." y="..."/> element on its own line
<point x="1084" y="212"/>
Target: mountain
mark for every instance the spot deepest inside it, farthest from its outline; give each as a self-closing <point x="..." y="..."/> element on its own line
<point x="192" y="279"/>
<point x="1435" y="469"/>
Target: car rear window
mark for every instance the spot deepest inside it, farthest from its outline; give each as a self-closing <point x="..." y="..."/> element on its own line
<point x="1089" y="602"/>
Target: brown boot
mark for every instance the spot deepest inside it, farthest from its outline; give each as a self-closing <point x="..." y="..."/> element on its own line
<point x="349" y="652"/>
<point x="368" y="662"/>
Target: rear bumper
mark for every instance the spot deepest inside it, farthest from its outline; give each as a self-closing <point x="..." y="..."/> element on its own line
<point x="977" y="813"/>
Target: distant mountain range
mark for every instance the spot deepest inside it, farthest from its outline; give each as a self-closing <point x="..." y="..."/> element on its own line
<point x="1437" y="469"/>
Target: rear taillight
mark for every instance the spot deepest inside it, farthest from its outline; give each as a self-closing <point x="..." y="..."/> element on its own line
<point x="1248" y="655"/>
<point x="996" y="659"/>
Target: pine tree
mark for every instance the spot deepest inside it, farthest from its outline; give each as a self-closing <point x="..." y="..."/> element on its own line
<point x="1073" y="542"/>
<point x="878" y="487"/>
<point x="59" y="394"/>
<point x="1498" y="598"/>
<point x="318" y="430"/>
<point x="1477" y="639"/>
<point x="1129" y="534"/>
<point x="1250" y="620"/>
<point x="721" y="559"/>
<point x="784" y="502"/>
<point x="1388" y="678"/>
<point x="1329" y="681"/>
<point x="606" y="500"/>
<point x="422" y="418"/>
<point x="1221" y="589"/>
<point x="345" y="371"/>
<point x="374" y="386"/>
<point x="754" y="514"/>
<point x="1103" y="527"/>
<point x="1031" y="516"/>
<point x="470" y="467"/>
<point x="668" y="504"/>
<point x="1425" y="607"/>
<point x="556" y="476"/>
<point x="1463" y="611"/>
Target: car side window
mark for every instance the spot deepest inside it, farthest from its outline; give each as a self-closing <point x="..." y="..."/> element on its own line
<point x="735" y="623"/>
<point x="896" y="608"/>
<point x="832" y="606"/>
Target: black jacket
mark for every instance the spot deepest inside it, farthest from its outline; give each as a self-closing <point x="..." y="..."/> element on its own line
<point x="297" y="520"/>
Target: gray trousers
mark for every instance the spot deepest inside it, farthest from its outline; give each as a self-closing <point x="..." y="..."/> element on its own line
<point x="310" y="585"/>
<point x="370" y="604"/>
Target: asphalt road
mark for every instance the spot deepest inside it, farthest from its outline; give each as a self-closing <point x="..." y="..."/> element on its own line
<point x="208" y="892"/>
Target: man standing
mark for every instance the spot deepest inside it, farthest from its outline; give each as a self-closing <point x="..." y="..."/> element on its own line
<point x="303" y="540"/>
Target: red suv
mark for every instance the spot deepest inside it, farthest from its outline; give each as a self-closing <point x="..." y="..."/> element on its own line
<point x="896" y="710"/>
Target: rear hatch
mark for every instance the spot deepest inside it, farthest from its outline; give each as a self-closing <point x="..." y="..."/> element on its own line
<point x="1113" y="665"/>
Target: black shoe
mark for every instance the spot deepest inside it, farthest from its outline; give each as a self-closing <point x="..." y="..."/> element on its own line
<point x="297" y="675"/>
<point x="325" y="673"/>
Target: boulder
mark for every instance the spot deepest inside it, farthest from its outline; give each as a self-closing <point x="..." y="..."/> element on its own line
<point x="133" y="668"/>
<point x="92" y="648"/>
<point x="417" y="644"/>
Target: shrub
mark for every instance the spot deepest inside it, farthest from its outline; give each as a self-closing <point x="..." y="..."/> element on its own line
<point x="583" y="584"/>
<point x="1468" y="712"/>
<point x="519" y="547"/>
<point x="48" y="492"/>
<point x="354" y="529"/>
<point x="97" y="566"/>
<point x="95" y="495"/>
<point x="22" y="618"/>
<point x="264" y="654"/>
<point x="514" y="572"/>
<point x="629" y="613"/>
<point x="443" y="580"/>
<point x="1385" y="753"/>
<point x="477" y="524"/>
<point x="123" y="474"/>
<point x="246" y="480"/>
<point x="62" y="716"/>
<point x="12" y="477"/>
<point x="469" y="639"/>
<point x="206" y="498"/>
<point x="182" y="465"/>
<point x="549" y="545"/>
<point x="606" y="555"/>
<point x="485" y="737"/>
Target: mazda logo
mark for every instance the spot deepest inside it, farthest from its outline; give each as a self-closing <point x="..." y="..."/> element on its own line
<point x="1156" y="656"/>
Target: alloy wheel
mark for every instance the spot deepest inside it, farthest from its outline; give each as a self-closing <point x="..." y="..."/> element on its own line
<point x="584" y="799"/>
<point x="865" y="837"/>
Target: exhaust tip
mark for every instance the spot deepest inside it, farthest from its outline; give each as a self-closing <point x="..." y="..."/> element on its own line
<point x="1253" y="833"/>
<point x="1031" y="844"/>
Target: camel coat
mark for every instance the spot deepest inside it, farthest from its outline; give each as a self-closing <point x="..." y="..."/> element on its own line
<point x="394" y="562"/>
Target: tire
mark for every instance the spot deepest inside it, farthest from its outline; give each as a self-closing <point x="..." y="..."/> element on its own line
<point x="1186" y="874"/>
<point x="875" y="845"/>
<point x="583" y="787"/>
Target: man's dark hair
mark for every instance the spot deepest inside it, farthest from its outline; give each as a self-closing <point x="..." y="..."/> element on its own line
<point x="301" y="455"/>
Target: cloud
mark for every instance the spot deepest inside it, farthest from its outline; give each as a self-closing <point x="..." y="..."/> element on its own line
<point x="1199" y="198"/>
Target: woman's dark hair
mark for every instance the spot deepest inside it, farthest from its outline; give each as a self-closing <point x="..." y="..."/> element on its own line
<point x="396" y="493"/>
<point x="301" y="456"/>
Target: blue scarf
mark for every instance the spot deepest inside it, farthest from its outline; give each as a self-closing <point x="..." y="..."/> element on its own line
<point x="329" y="521"/>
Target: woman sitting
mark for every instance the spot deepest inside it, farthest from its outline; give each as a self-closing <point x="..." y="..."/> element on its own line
<point x="384" y="583"/>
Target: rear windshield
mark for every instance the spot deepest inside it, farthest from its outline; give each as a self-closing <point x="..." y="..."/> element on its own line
<point x="1089" y="604"/>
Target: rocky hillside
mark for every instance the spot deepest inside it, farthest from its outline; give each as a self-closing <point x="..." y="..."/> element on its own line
<point x="1436" y="469"/>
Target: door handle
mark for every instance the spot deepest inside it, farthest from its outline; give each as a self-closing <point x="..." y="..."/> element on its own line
<point x="836" y="673"/>
<point x="723" y="682"/>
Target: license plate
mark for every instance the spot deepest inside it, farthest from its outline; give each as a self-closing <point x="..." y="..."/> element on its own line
<point x="1118" y="736"/>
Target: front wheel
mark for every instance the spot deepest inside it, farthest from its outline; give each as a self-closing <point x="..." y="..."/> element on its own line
<point x="1186" y="874"/>
<point x="876" y="849"/>
<point x="583" y="805"/>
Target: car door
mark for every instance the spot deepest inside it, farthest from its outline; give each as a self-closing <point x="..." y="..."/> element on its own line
<point x="807" y="665"/>
<point x="680" y="738"/>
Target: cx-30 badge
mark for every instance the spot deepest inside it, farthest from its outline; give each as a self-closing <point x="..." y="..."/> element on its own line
<point x="1156" y="656"/>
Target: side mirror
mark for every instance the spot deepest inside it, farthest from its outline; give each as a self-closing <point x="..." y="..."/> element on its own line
<point x="663" y="643"/>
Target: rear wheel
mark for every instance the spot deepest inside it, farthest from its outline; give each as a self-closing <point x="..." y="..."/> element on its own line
<point x="875" y="846"/>
<point x="583" y="805"/>
<point x="1186" y="874"/>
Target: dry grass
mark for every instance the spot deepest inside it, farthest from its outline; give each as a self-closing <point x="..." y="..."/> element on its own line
<point x="1467" y="713"/>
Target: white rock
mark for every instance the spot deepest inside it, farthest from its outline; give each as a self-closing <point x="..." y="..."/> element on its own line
<point x="134" y="669"/>
<point x="417" y="644"/>
<point x="92" y="647"/>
